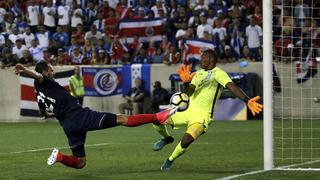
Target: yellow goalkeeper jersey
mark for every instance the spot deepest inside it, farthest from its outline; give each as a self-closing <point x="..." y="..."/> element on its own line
<point x="209" y="85"/>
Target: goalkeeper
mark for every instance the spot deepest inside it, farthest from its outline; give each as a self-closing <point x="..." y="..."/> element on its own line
<point x="204" y="88"/>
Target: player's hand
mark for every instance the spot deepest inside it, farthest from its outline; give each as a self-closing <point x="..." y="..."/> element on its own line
<point x="255" y="107"/>
<point x="184" y="73"/>
<point x="48" y="115"/>
<point x="19" y="68"/>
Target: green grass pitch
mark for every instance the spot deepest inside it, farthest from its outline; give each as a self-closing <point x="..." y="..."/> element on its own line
<point x="228" y="148"/>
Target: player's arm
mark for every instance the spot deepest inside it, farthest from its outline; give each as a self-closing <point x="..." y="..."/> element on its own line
<point x="21" y="69"/>
<point x="43" y="112"/>
<point x="186" y="78"/>
<point x="255" y="107"/>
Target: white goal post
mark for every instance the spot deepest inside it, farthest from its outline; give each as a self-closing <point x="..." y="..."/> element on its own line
<point x="267" y="85"/>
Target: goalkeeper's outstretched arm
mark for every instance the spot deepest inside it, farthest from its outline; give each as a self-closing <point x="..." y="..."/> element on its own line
<point x="254" y="107"/>
<point x="237" y="91"/>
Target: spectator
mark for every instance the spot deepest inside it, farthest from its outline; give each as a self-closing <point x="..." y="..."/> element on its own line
<point x="7" y="59"/>
<point x="62" y="36"/>
<point x="63" y="58"/>
<point x="26" y="59"/>
<point x="141" y="5"/>
<point x="90" y="14"/>
<point x="134" y="99"/>
<point x="3" y="12"/>
<point x="254" y="38"/>
<point x="49" y="14"/>
<point x="36" y="51"/>
<point x="117" y="51"/>
<point x="64" y="16"/>
<point x="134" y="46"/>
<point x="229" y="56"/>
<point x="87" y="51"/>
<point x="151" y="49"/>
<point x="93" y="35"/>
<point x="103" y="58"/>
<point x="76" y="58"/>
<point x="28" y="36"/>
<point x="111" y="23"/>
<point x="43" y="36"/>
<point x="102" y="46"/>
<point x="221" y="31"/>
<point x="47" y="57"/>
<point x="33" y="15"/>
<point x="157" y="58"/>
<point x="246" y="54"/>
<point x="181" y="34"/>
<point x="165" y="45"/>
<point x="142" y="57"/>
<point x="301" y="12"/>
<point x="18" y="49"/>
<point x="99" y="23"/>
<point x="173" y="57"/>
<point x="159" y="5"/>
<point x="8" y="24"/>
<point x="203" y="27"/>
<point x="220" y="5"/>
<point x="14" y="36"/>
<point x="180" y="19"/>
<point x="76" y="85"/>
<point x="79" y="34"/>
<point x="54" y="48"/>
<point x="104" y="9"/>
<point x="76" y="16"/>
<point x="160" y="96"/>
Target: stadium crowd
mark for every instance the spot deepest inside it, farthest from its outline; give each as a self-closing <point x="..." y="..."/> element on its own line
<point x="77" y="32"/>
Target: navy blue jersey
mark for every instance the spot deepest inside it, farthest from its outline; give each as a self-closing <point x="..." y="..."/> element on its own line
<point x="55" y="98"/>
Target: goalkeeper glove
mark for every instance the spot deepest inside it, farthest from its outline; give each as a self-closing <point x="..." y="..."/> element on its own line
<point x="184" y="73"/>
<point x="254" y="107"/>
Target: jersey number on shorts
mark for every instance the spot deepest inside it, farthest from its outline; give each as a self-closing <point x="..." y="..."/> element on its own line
<point x="47" y="101"/>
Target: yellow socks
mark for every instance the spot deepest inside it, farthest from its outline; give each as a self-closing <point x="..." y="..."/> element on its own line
<point x="178" y="151"/>
<point x="162" y="130"/>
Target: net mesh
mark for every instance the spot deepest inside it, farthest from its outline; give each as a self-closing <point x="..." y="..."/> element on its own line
<point x="296" y="40"/>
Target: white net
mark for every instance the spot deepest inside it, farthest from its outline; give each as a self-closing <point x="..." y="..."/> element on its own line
<point x="296" y="49"/>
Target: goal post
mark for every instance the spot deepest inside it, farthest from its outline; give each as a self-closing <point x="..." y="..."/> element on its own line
<point x="267" y="86"/>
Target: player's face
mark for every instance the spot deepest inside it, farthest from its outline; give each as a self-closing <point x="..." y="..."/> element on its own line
<point x="50" y="72"/>
<point x="204" y="61"/>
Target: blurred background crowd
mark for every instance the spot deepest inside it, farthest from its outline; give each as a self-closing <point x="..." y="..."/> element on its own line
<point x="74" y="32"/>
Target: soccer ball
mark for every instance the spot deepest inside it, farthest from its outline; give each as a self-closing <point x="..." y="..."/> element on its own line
<point x="180" y="100"/>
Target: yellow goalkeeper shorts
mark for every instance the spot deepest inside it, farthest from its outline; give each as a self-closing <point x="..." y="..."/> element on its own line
<point x="189" y="117"/>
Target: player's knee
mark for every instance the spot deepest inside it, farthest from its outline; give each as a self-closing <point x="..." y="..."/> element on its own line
<point x="122" y="119"/>
<point x="187" y="139"/>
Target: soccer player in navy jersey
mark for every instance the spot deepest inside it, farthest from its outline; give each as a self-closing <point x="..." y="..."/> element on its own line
<point x="55" y="101"/>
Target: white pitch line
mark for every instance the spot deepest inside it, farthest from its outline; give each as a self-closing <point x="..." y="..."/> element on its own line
<point x="279" y="168"/>
<point x="67" y="147"/>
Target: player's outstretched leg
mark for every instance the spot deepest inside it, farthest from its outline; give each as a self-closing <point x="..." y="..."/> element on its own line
<point x="139" y="119"/>
<point x="167" y="139"/>
<point x="192" y="133"/>
<point x="70" y="161"/>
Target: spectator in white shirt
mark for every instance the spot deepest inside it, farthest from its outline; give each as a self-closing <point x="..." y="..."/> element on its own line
<point x="43" y="37"/>
<point x="33" y="13"/>
<point x="14" y="36"/>
<point x="49" y="14"/>
<point x="254" y="38"/>
<point x="222" y="32"/>
<point x="64" y="16"/>
<point x="3" y="12"/>
<point x="36" y="51"/>
<point x="28" y="36"/>
<point x="18" y="49"/>
<point x="159" y="5"/>
<point x="93" y="35"/>
<point x="203" y="27"/>
<point x="76" y="16"/>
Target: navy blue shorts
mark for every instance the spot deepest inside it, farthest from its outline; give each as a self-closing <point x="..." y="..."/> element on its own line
<point x="82" y="121"/>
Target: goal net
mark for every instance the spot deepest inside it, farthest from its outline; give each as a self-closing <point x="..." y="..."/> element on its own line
<point x="296" y="84"/>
